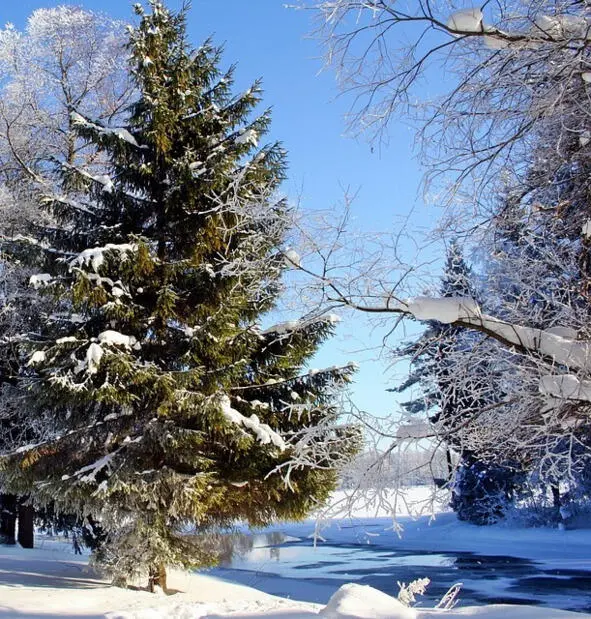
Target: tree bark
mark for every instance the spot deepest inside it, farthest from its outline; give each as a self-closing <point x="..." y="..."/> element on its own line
<point x="8" y="509"/>
<point x="555" y="496"/>
<point x="26" y="517"/>
<point x="157" y="578"/>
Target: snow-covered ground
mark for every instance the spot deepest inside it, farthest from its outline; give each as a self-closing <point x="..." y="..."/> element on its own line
<point x="50" y="581"/>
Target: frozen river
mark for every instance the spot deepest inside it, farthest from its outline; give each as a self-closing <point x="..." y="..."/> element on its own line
<point x="285" y="562"/>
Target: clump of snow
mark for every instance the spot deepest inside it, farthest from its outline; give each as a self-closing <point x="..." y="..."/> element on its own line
<point x="565" y="387"/>
<point x="586" y="230"/>
<point x="40" y="280"/>
<point x="562" y="26"/>
<point x="66" y="340"/>
<point x="91" y="470"/>
<point x="585" y="138"/>
<point x="38" y="356"/>
<point x="292" y="258"/>
<point x="197" y="168"/>
<point x="586" y="75"/>
<point x="283" y="327"/>
<point x="95" y="256"/>
<point x="94" y="354"/>
<point x="563" y="331"/>
<point x="289" y="326"/>
<point x="567" y="351"/>
<point x="117" y="292"/>
<point x="467" y="20"/>
<point x="259" y="404"/>
<point x="120" y="132"/>
<point x="106" y="182"/>
<point x="354" y="601"/>
<point x="249" y="136"/>
<point x="264" y="433"/>
<point x="445" y="310"/>
<point x="114" y="338"/>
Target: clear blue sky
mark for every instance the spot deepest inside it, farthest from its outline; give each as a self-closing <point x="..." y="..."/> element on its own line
<point x="270" y="41"/>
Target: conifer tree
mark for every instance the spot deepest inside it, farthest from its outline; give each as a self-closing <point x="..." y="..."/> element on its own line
<point x="432" y="353"/>
<point x="170" y="406"/>
<point x="458" y="381"/>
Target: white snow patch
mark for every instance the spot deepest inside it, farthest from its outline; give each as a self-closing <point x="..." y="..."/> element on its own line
<point x="562" y="26"/>
<point x="259" y="404"/>
<point x="66" y="340"/>
<point x="106" y="182"/>
<point x="95" y="256"/>
<point x="38" y="356"/>
<point x="94" y="354"/>
<point x="565" y="387"/>
<point x="354" y="601"/>
<point x="40" y="280"/>
<point x="114" y="338"/>
<point x="292" y="258"/>
<point x="120" y="132"/>
<point x="445" y="310"/>
<point x="117" y="292"/>
<point x="586" y="75"/>
<point x="565" y="350"/>
<point x="586" y="230"/>
<point x="289" y="326"/>
<point x="283" y="327"/>
<point x="467" y="20"/>
<point x="262" y="431"/>
<point x="563" y="331"/>
<point x="248" y="136"/>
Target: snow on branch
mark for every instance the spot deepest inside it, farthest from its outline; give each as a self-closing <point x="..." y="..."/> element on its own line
<point x="465" y="312"/>
<point x="95" y="256"/>
<point x="446" y="310"/>
<point x="123" y="134"/>
<point x="290" y="326"/>
<point x="90" y="471"/>
<point x="40" y="280"/>
<point x="262" y="431"/>
<point x="566" y="387"/>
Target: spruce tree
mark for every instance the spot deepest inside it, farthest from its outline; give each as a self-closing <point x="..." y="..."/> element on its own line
<point x="458" y="381"/>
<point x="171" y="409"/>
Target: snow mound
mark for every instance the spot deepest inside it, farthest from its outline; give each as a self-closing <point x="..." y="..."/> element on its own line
<point x="174" y="611"/>
<point x="363" y="602"/>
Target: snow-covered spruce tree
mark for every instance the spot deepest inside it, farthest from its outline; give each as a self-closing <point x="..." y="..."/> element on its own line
<point x="459" y="382"/>
<point x="170" y="407"/>
<point x="66" y="57"/>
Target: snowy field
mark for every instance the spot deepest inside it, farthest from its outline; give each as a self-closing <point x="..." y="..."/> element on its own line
<point x="51" y="581"/>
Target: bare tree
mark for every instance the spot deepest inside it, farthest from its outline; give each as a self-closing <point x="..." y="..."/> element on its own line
<point x="481" y="82"/>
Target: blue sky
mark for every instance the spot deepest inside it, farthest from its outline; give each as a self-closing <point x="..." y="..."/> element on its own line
<point x="270" y="41"/>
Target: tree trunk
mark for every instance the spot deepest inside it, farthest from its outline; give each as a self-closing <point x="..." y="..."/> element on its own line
<point x="26" y="517"/>
<point x="8" y="510"/>
<point x="157" y="578"/>
<point x="450" y="466"/>
<point x="555" y="496"/>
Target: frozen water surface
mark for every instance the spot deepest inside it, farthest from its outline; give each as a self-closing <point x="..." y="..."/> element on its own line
<point x="286" y="562"/>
